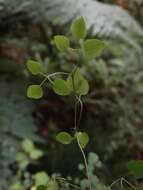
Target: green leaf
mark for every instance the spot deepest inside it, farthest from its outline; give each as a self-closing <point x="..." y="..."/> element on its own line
<point x="83" y="138"/>
<point x="34" y="67"/>
<point x="77" y="83"/>
<point x="52" y="185"/>
<point x="64" y="138"/>
<point x="60" y="87"/>
<point x="36" y="154"/>
<point x="61" y="42"/>
<point x="93" y="48"/>
<point x="78" y="28"/>
<point x="22" y="160"/>
<point x="41" y="178"/>
<point x="41" y="187"/>
<point x="34" y="91"/>
<point x="136" y="167"/>
<point x="28" y="145"/>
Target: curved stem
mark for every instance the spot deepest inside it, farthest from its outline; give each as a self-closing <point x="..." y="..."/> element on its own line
<point x="47" y="77"/>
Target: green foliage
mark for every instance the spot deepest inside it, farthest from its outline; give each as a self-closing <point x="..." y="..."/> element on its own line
<point x="61" y="42"/>
<point x="93" y="48"/>
<point x="27" y="145"/>
<point x="41" y="178"/>
<point x="116" y="99"/>
<point x="34" y="91"/>
<point x="136" y="168"/>
<point x="64" y="138"/>
<point x="34" y="67"/>
<point x="77" y="83"/>
<point x="61" y="87"/>
<point x="78" y="28"/>
<point x="41" y="187"/>
<point x="83" y="138"/>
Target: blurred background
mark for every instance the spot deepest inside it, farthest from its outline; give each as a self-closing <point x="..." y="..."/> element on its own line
<point x="113" y="110"/>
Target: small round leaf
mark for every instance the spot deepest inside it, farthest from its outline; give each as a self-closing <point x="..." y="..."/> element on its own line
<point x="41" y="178"/>
<point x="28" y="145"/>
<point x="34" y="67"/>
<point x="61" y="42"/>
<point x="34" y="91"/>
<point x="36" y="154"/>
<point x="83" y="139"/>
<point x="64" y="138"/>
<point x="93" y="48"/>
<point x="78" y="28"/>
<point x="60" y="87"/>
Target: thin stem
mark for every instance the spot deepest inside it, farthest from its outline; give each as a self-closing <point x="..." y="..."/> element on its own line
<point x="63" y="180"/>
<point x="81" y="149"/>
<point x="47" y="77"/>
<point x="58" y="73"/>
<point x="81" y="109"/>
<point x="123" y="179"/>
<point x="114" y="182"/>
<point x="121" y="183"/>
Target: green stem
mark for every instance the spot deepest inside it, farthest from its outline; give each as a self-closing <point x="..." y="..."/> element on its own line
<point x="47" y="77"/>
<point x="81" y="149"/>
<point x="63" y="180"/>
<point x="126" y="181"/>
<point x="121" y="180"/>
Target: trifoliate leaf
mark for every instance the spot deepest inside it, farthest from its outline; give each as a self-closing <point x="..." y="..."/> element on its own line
<point x="61" y="42"/>
<point x="34" y="91"/>
<point x="64" y="138"/>
<point x="78" y="28"/>
<point x="93" y="48"/>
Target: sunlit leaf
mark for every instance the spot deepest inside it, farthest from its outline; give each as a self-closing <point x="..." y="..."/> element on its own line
<point x="60" y="87"/>
<point x="78" y="28"/>
<point x="36" y="154"/>
<point x="27" y="145"/>
<point x="34" y="67"/>
<point x="83" y="138"/>
<point x="93" y="48"/>
<point x="34" y="91"/>
<point x="41" y="178"/>
<point x="61" y="42"/>
<point x="64" y="138"/>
